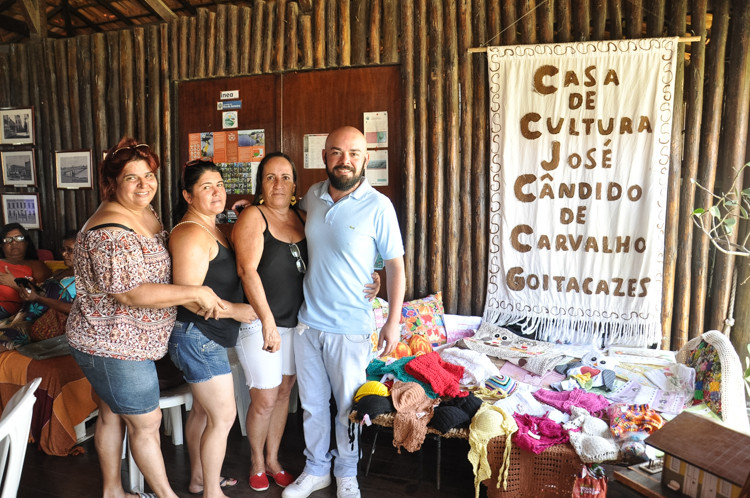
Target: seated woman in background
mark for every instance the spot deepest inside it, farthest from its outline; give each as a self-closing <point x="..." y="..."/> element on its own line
<point x="19" y="259"/>
<point x="49" y="310"/>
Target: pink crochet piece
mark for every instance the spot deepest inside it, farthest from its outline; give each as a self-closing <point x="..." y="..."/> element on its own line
<point x="536" y="434"/>
<point x="595" y="404"/>
<point x="442" y="376"/>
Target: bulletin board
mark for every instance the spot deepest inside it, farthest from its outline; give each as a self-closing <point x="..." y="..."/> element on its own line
<point x="291" y="105"/>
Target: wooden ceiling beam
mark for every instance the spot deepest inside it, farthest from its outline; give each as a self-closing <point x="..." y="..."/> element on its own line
<point x="160" y="9"/>
<point x="36" y="18"/>
<point x="115" y="11"/>
<point x="14" y="25"/>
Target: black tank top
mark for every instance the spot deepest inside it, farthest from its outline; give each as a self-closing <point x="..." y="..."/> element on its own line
<point x="281" y="280"/>
<point x="222" y="278"/>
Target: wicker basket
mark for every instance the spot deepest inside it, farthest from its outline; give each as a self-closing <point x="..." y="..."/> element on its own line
<point x="551" y="473"/>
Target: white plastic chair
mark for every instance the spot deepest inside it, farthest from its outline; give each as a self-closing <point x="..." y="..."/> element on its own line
<point x="171" y="402"/>
<point x="15" y="424"/>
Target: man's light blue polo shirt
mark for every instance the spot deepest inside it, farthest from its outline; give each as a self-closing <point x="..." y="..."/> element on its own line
<point x="343" y="240"/>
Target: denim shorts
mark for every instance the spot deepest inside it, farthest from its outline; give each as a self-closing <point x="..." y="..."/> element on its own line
<point x="199" y="358"/>
<point x="128" y="387"/>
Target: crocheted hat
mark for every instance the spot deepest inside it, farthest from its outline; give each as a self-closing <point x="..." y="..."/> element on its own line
<point x="590" y="437"/>
<point x="489" y="422"/>
<point x="373" y="405"/>
<point x="469" y="404"/>
<point x="503" y="383"/>
<point x="443" y="377"/>
<point x="414" y="410"/>
<point x="371" y="387"/>
<point x="446" y="418"/>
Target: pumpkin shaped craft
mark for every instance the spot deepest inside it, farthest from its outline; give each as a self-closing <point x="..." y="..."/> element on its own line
<point x="419" y="344"/>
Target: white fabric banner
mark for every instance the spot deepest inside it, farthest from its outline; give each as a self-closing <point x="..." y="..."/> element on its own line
<point x="579" y="159"/>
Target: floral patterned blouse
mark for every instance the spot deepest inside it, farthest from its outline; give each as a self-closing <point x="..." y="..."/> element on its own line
<point x="111" y="262"/>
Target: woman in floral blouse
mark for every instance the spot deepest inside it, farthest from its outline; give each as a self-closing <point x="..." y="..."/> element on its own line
<point x="124" y="312"/>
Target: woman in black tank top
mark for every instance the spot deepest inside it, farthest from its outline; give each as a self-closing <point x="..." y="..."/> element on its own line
<point x="201" y="254"/>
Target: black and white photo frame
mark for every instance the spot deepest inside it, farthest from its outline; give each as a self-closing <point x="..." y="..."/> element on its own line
<point x="23" y="209"/>
<point x="73" y="169"/>
<point x="19" y="168"/>
<point x="17" y="126"/>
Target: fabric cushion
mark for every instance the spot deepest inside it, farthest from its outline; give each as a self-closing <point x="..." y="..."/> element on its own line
<point x="421" y="316"/>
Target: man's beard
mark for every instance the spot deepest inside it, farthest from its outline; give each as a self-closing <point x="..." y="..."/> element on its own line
<point x="342" y="183"/>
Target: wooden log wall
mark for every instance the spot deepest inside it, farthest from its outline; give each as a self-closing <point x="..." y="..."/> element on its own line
<point x="91" y="90"/>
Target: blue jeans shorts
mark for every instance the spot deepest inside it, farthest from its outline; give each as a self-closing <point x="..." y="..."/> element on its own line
<point x="199" y="358"/>
<point x="128" y="387"/>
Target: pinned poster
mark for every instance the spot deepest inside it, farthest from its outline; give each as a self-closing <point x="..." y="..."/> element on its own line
<point x="376" y="129"/>
<point x="314" y="144"/>
<point x="377" y="168"/>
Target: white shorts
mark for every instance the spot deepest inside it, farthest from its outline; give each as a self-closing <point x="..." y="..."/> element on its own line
<point x="263" y="370"/>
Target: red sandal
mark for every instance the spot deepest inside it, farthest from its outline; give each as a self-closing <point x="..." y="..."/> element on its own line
<point x="259" y="482"/>
<point x="281" y="478"/>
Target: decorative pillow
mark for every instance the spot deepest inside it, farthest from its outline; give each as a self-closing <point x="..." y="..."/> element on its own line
<point x="420" y="316"/>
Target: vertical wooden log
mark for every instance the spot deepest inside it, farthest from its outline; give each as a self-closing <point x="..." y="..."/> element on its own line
<point x="452" y="161"/>
<point x="599" y="19"/>
<point x="673" y="185"/>
<point x="184" y="59"/>
<point x="62" y="89"/>
<point x="580" y="20"/>
<point x="527" y="17"/>
<point x="167" y="178"/>
<point x="465" y="66"/>
<point x="44" y="156"/>
<point x="99" y="97"/>
<point x="292" y="12"/>
<point x="732" y="151"/>
<point x="220" y="68"/>
<point x="268" y="37"/>
<point x="139" y="83"/>
<point x="546" y="19"/>
<point x="375" y="32"/>
<point x="259" y="13"/>
<point x="479" y="165"/>
<point x="127" y="92"/>
<point x="211" y="44"/>
<point x="563" y="21"/>
<point x="634" y="21"/>
<point x="408" y="222"/>
<point x="56" y="113"/>
<point x="422" y="269"/>
<point x="359" y="36"/>
<point x="192" y="40"/>
<point x="709" y="153"/>
<point x="305" y="23"/>
<point x="233" y="43"/>
<point x="615" y="9"/>
<point x="174" y="43"/>
<point x="278" y="59"/>
<point x="245" y="37"/>
<point x="655" y="18"/>
<point x="332" y="24"/>
<point x="87" y="201"/>
<point x="305" y="6"/>
<point x="73" y="98"/>
<point x="345" y="33"/>
<point x="694" y="76"/>
<point x="201" y="54"/>
<point x="5" y="72"/>
<point x="436" y="146"/>
<point x="494" y="23"/>
<point x="390" y="32"/>
<point x="19" y="84"/>
<point x="509" y="23"/>
<point x="319" y="29"/>
<point x="153" y="108"/>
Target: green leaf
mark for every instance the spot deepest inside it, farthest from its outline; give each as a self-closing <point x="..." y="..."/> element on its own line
<point x="715" y="212"/>
<point x="746" y="192"/>
<point x="730" y="222"/>
<point x="699" y="212"/>
<point x="730" y="203"/>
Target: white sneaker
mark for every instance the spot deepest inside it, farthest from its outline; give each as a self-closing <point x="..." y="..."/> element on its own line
<point x="347" y="487"/>
<point x="305" y="485"/>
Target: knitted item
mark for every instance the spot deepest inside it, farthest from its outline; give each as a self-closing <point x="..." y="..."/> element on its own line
<point x="477" y="366"/>
<point x="624" y="419"/>
<point x="446" y="418"/>
<point x="469" y="404"/>
<point x="442" y="376"/>
<point x="590" y="437"/>
<point x="414" y="410"/>
<point x="593" y="403"/>
<point x="536" y="434"/>
<point x="502" y="383"/>
<point x="373" y="405"/>
<point x="489" y="422"/>
<point x="378" y="368"/>
<point x="371" y="387"/>
<point x="718" y="377"/>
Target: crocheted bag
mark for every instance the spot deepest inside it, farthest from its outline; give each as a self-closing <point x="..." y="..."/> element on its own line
<point x="718" y="377"/>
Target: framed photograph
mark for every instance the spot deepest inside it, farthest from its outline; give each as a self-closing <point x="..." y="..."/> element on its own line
<point x="73" y="169"/>
<point x="19" y="168"/>
<point x="23" y="209"/>
<point x="17" y="126"/>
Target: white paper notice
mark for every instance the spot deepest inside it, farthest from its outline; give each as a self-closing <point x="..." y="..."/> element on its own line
<point x="376" y="129"/>
<point x="377" y="168"/>
<point x="314" y="145"/>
